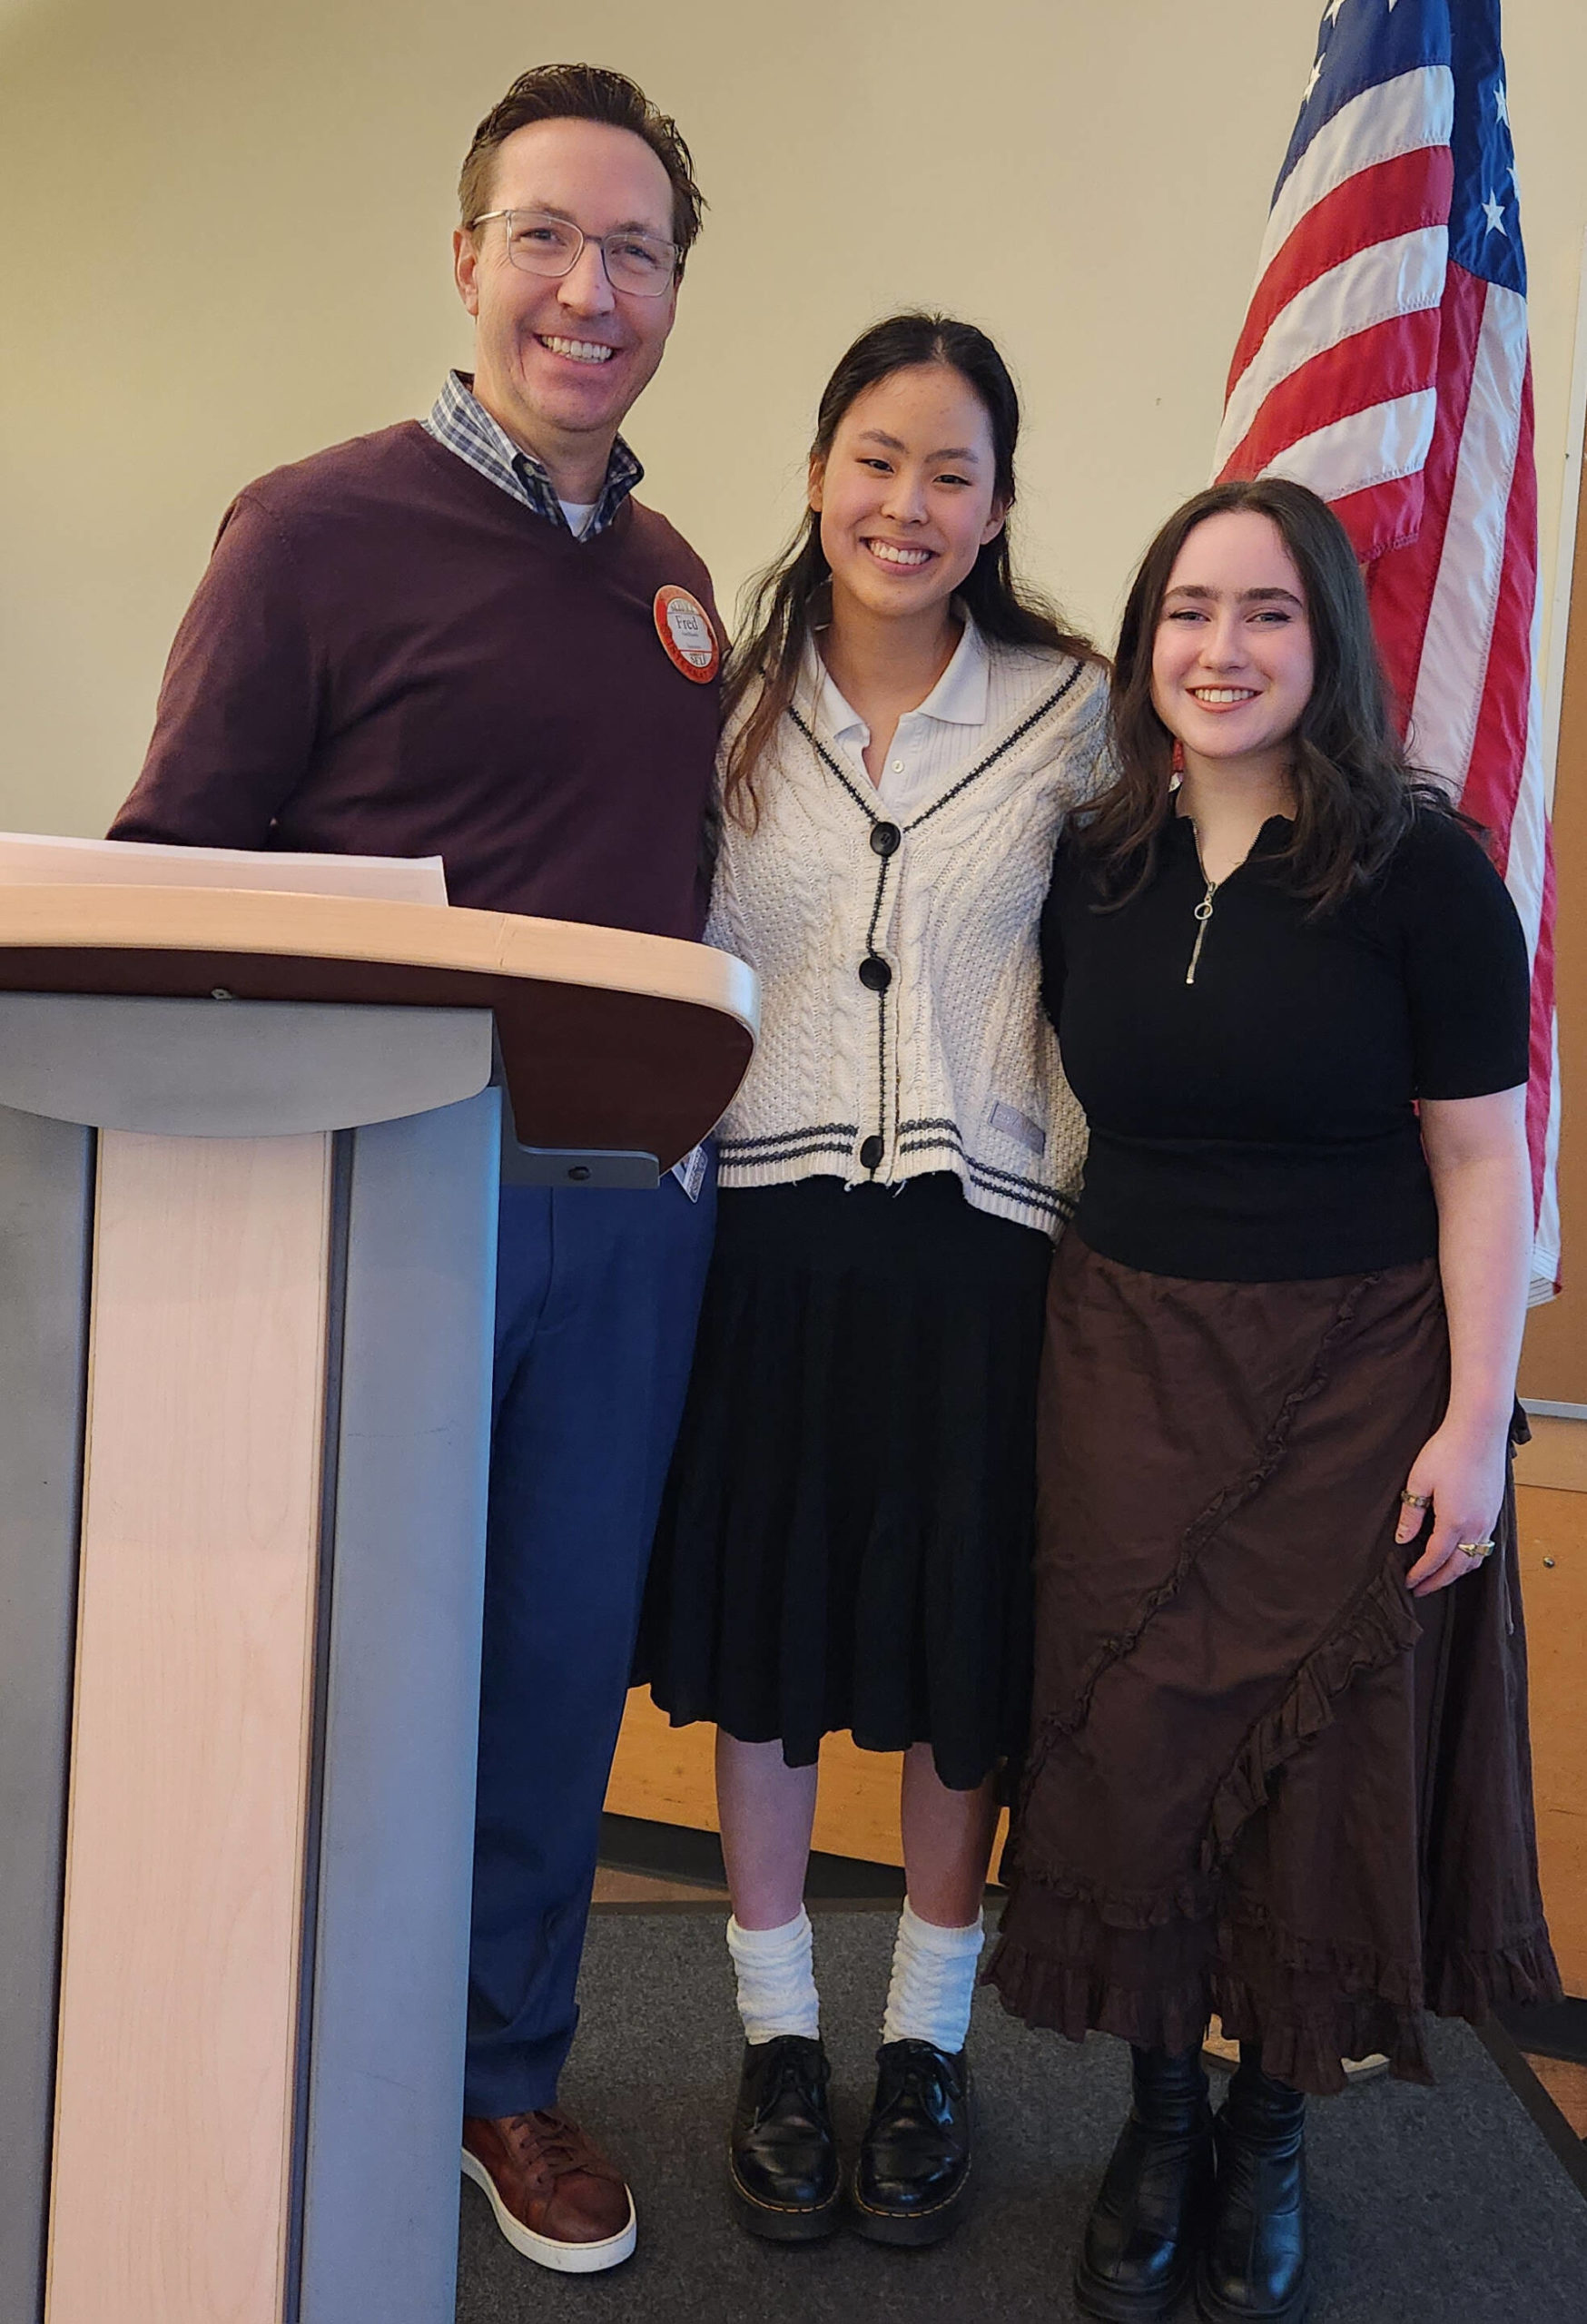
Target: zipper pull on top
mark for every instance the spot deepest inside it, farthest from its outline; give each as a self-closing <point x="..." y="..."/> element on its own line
<point x="1203" y="914"/>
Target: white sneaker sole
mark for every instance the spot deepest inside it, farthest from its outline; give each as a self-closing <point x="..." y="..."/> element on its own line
<point x="567" y="2259"/>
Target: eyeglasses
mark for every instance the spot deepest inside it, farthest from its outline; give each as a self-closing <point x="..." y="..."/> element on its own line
<point x="636" y="262"/>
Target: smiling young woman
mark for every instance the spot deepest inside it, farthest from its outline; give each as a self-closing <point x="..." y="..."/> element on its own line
<point x="846" y="1535"/>
<point x="1279" y="1764"/>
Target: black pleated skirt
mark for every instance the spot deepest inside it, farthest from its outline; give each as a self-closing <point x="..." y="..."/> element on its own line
<point x="845" y="1538"/>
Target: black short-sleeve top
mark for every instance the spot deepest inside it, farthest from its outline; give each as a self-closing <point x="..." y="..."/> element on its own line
<point x="1255" y="1121"/>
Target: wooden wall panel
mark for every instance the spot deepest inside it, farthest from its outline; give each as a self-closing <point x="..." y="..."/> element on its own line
<point x="193" y="1695"/>
<point x="1553" y="1573"/>
<point x="1553" y="1364"/>
<point x="663" y="1773"/>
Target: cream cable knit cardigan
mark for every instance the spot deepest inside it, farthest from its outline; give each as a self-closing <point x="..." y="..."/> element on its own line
<point x="902" y="1029"/>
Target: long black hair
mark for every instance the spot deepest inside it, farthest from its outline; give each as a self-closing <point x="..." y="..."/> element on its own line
<point x="767" y="658"/>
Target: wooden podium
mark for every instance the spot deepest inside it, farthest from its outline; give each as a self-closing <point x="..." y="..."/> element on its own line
<point x="249" y="1148"/>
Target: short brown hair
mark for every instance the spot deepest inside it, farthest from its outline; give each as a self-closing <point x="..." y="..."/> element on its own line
<point x="583" y="92"/>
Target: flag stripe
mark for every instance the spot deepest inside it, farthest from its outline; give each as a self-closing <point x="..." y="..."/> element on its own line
<point x="1541" y="1103"/>
<point x="1401" y="277"/>
<point x="1400" y="588"/>
<point x="1460" y="620"/>
<point x="1528" y="844"/>
<point x="1398" y="197"/>
<point x="1372" y="448"/>
<point x="1509" y="722"/>
<point x="1383" y="518"/>
<point x="1397" y="117"/>
<point x="1382" y="364"/>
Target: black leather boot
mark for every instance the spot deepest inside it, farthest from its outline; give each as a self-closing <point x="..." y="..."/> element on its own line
<point x="912" y="2181"/>
<point x="782" y="2157"/>
<point x="1149" y="2220"/>
<point x="1253" y="2271"/>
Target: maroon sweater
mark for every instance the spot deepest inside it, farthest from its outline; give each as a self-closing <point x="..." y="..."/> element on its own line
<point x="389" y="655"/>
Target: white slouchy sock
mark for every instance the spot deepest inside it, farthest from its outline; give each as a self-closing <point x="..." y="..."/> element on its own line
<point x="933" y="1982"/>
<point x="776" y="1978"/>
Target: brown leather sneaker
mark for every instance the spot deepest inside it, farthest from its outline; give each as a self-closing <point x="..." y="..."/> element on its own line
<point x="556" y="2198"/>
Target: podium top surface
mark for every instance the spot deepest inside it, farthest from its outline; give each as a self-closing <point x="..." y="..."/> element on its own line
<point x="608" y="1038"/>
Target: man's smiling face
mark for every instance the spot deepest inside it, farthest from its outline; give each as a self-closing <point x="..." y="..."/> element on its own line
<point x="560" y="361"/>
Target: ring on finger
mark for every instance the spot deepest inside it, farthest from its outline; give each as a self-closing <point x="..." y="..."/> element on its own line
<point x="1409" y="1500"/>
<point x="1478" y="1550"/>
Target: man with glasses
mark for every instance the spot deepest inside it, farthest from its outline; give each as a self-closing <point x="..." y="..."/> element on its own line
<point x="464" y="637"/>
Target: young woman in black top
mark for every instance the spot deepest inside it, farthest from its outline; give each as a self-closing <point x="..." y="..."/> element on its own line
<point x="1278" y="1763"/>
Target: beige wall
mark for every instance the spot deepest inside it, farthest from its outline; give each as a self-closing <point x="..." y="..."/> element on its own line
<point x="227" y="244"/>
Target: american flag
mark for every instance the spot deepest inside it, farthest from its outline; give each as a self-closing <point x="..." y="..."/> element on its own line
<point x="1384" y="362"/>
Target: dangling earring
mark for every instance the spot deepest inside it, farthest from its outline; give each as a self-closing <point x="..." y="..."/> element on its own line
<point x="1176" y="761"/>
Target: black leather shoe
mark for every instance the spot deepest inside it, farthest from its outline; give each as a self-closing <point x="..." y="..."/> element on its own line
<point x="782" y="2157"/>
<point x="912" y="2177"/>
<point x="1153" y="2208"/>
<point x="1254" y="2269"/>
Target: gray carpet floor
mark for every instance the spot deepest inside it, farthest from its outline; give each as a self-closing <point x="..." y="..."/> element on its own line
<point x="1429" y="2206"/>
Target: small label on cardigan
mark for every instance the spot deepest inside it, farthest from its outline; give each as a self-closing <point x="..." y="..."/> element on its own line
<point x="683" y="627"/>
<point x="1019" y="1127"/>
<point x="690" y="1173"/>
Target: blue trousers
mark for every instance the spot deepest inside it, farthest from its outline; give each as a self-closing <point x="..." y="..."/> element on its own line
<point x="597" y="1295"/>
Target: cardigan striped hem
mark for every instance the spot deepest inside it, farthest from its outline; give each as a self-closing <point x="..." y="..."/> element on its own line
<point x="770" y="1139"/>
<point x="1053" y="1202"/>
<point x="1044" y="1216"/>
<point x="764" y="1154"/>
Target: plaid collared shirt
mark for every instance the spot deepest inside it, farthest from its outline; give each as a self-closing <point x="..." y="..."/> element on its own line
<point x="459" y="421"/>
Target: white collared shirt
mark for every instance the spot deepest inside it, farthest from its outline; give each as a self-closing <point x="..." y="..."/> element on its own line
<point x="929" y="739"/>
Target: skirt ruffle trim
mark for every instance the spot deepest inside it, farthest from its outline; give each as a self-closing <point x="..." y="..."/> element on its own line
<point x="1470" y="1984"/>
<point x="1318" y="2001"/>
<point x="1303" y="2036"/>
<point x="1202" y="1530"/>
<point x="1379" y="1628"/>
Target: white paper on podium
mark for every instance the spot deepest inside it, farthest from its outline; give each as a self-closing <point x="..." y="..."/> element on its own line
<point x="32" y="858"/>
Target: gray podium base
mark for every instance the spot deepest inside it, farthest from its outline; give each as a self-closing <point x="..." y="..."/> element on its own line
<point x="389" y="1960"/>
<point x="374" y="2218"/>
<point x="46" y="1200"/>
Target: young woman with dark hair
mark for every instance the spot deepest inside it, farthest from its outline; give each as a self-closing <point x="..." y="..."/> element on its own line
<point x="1279" y="1764"/>
<point x="846" y="1534"/>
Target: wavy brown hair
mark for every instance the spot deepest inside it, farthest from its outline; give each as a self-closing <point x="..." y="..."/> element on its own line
<point x="766" y="660"/>
<point x="1355" y="791"/>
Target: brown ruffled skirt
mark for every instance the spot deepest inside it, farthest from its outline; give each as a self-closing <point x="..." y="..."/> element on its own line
<point x="1262" y="1779"/>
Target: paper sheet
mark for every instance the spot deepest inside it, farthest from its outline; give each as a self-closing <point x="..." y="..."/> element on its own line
<point x="31" y="858"/>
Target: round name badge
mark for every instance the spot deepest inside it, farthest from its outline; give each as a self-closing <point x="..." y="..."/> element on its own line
<point x="683" y="627"/>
